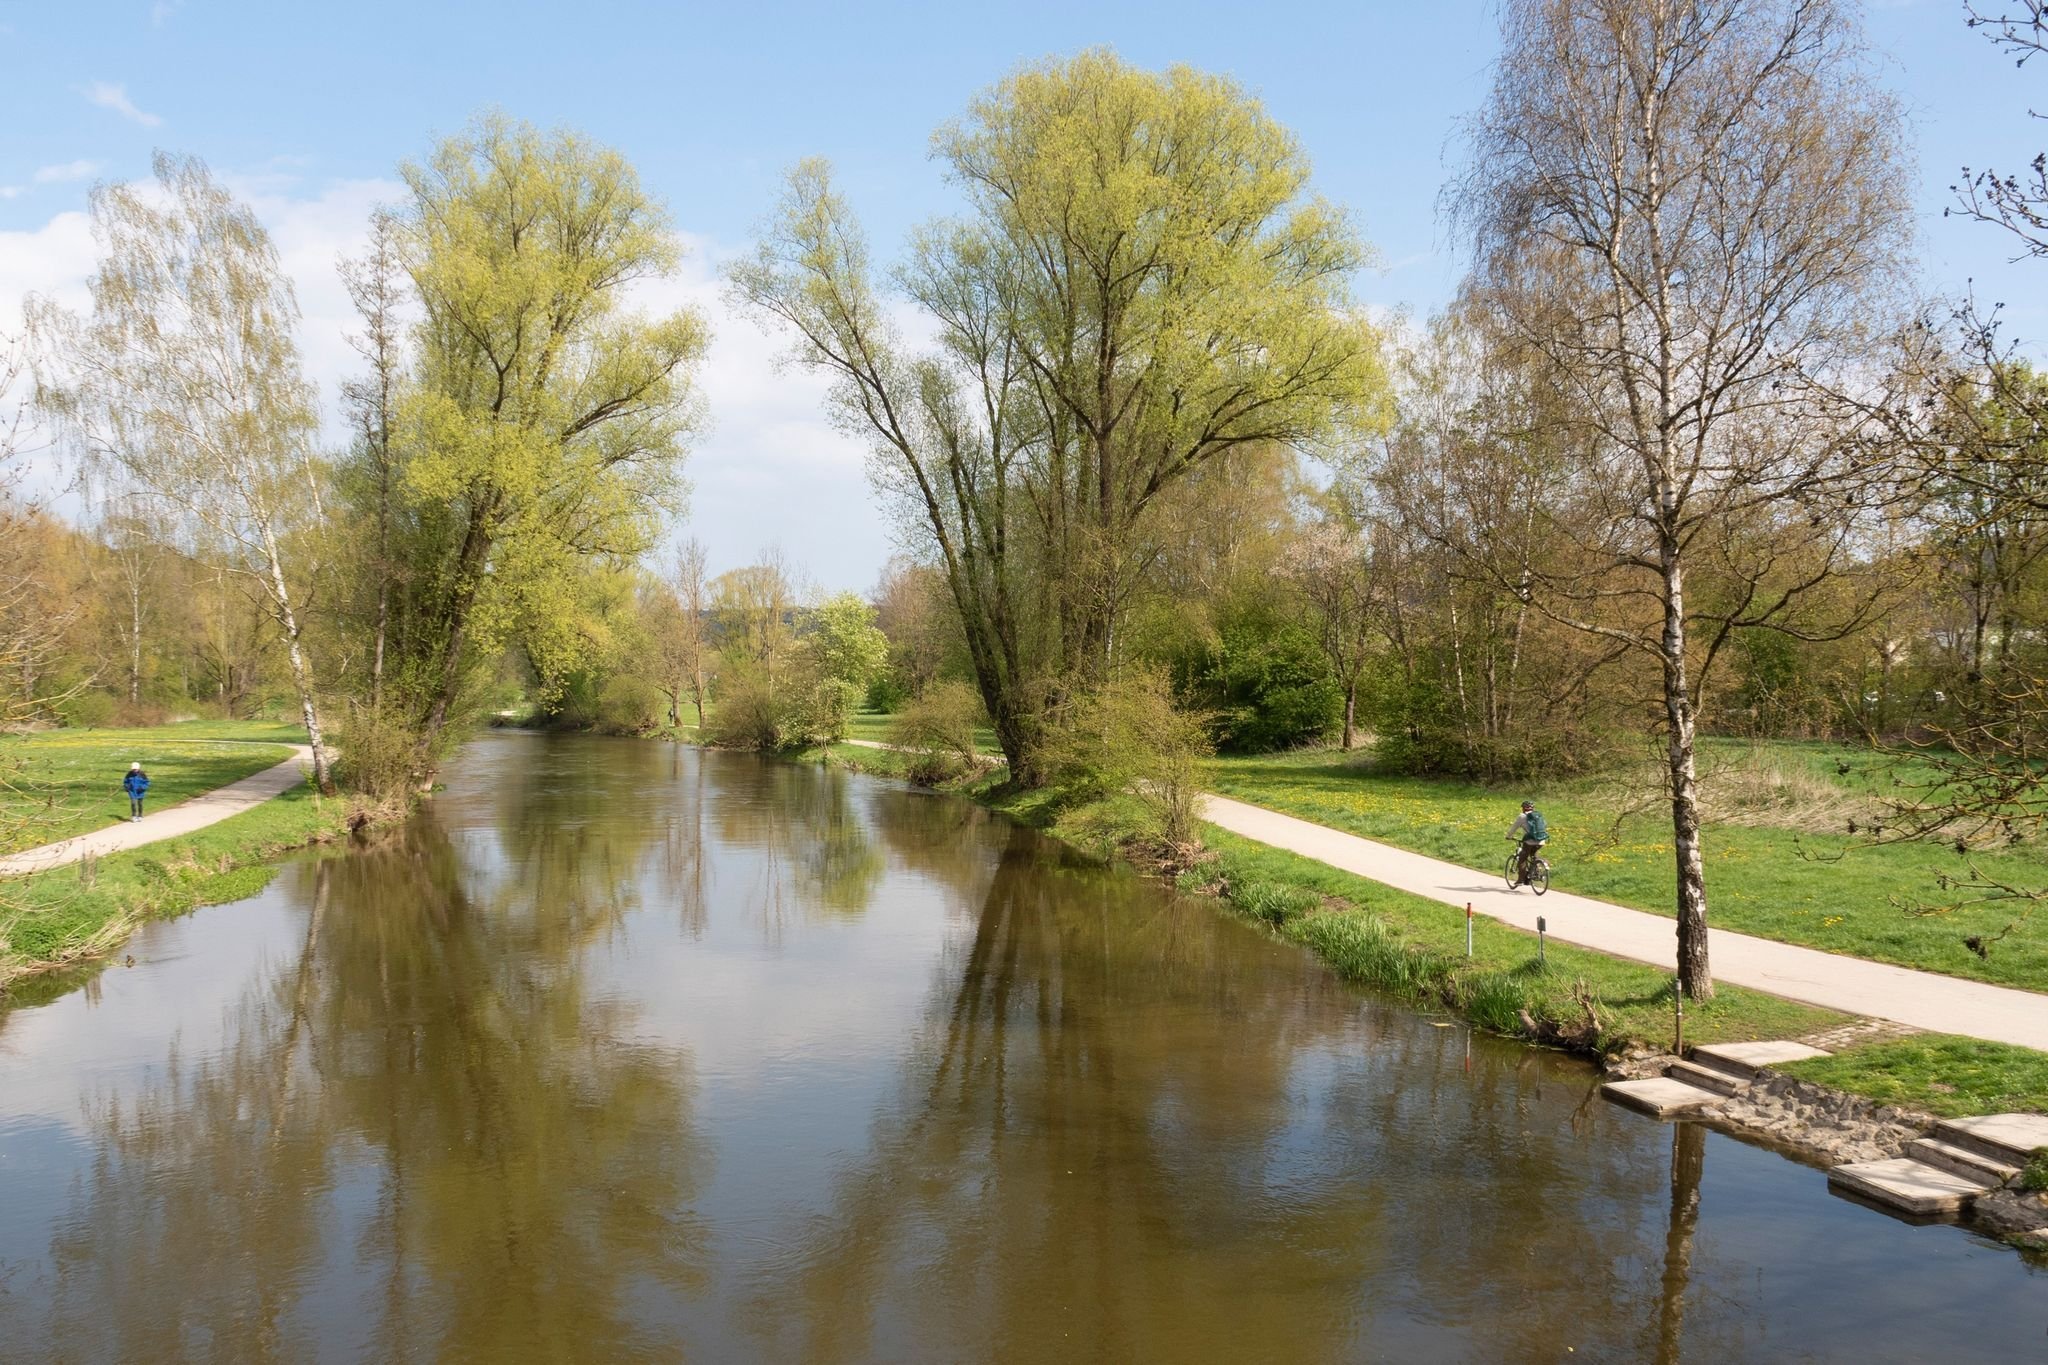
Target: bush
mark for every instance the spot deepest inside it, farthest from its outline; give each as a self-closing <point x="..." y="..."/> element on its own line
<point x="377" y="756"/>
<point x="887" y="694"/>
<point x="824" y="714"/>
<point x="1417" y="733"/>
<point x="627" y="705"/>
<point x="938" y="728"/>
<point x="1130" y="735"/>
<point x="88" y="710"/>
<point x="1266" y="684"/>
<point x="750" y="714"/>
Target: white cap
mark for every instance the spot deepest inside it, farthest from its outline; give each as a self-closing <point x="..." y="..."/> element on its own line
<point x="134" y="767"/>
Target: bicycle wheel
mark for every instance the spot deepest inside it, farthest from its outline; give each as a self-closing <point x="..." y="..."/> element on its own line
<point x="1539" y="876"/>
<point x="1514" y="870"/>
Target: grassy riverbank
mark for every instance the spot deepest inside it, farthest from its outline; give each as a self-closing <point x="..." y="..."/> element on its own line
<point x="1780" y="862"/>
<point x="1576" y="997"/>
<point x="64" y="782"/>
<point x="84" y="910"/>
<point x="68" y="784"/>
<point x="1415" y="948"/>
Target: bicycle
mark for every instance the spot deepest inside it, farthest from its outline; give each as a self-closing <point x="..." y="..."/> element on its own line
<point x="1539" y="872"/>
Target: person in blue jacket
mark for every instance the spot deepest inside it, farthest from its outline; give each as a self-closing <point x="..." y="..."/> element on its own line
<point x="135" y="784"/>
<point x="1534" y="832"/>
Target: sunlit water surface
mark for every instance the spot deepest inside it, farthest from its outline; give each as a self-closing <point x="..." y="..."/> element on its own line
<point x="626" y="1051"/>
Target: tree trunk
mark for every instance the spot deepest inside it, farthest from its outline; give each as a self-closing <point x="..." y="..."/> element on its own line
<point x="302" y="677"/>
<point x="1350" y="712"/>
<point x="1694" y="975"/>
<point x="476" y="544"/>
<point x="377" y="659"/>
<point x="134" y="641"/>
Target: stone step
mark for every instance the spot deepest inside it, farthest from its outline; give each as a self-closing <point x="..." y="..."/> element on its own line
<point x="1706" y="1078"/>
<point x="1961" y="1161"/>
<point x="1907" y="1185"/>
<point x="1660" y="1096"/>
<point x="1745" y="1061"/>
<point x="2009" y="1139"/>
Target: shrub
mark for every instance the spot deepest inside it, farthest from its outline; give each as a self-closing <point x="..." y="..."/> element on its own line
<point x="1130" y="735"/>
<point x="938" y="728"/>
<point x="826" y="710"/>
<point x="1265" y="684"/>
<point x="88" y="710"/>
<point x="377" y="756"/>
<point x="750" y="714"/>
<point x="887" y="694"/>
<point x="627" y="705"/>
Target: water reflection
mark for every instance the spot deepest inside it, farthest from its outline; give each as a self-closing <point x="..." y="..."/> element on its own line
<point x="1130" y="1122"/>
<point x="1688" y="1165"/>
<point x="427" y="1105"/>
<point x="630" y="1052"/>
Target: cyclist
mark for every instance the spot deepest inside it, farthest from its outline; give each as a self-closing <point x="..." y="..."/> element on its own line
<point x="1534" y="832"/>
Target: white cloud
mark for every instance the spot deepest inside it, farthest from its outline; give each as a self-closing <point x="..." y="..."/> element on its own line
<point x="108" y="95"/>
<point x="160" y="13"/>
<point x="69" y="170"/>
<point x="12" y="191"/>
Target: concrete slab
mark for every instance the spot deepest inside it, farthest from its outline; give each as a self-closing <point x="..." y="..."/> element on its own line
<point x="1707" y="1078"/>
<point x="1906" y="1184"/>
<point x="1659" y="1096"/>
<point x="1751" y="1056"/>
<point x="2015" y="1134"/>
<point x="1963" y="1161"/>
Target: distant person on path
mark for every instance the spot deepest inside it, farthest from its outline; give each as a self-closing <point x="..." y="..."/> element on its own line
<point x="135" y="784"/>
<point x="1533" y="831"/>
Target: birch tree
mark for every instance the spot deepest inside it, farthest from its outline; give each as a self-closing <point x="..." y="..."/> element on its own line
<point x="1689" y="214"/>
<point x="185" y="378"/>
<point x="1330" y="568"/>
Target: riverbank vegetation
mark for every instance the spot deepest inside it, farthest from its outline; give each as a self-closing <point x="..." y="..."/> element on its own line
<point x="85" y="909"/>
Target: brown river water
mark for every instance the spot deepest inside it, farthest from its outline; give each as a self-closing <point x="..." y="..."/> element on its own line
<point x="625" y="1051"/>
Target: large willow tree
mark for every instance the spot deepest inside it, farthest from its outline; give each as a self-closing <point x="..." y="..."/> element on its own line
<point x="1139" y="282"/>
<point x="547" y="420"/>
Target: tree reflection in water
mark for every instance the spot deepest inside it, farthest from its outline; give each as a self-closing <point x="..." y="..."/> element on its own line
<point x="1060" y="1115"/>
<point x="427" y="1102"/>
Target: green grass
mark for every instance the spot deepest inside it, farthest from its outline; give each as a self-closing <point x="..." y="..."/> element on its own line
<point x="69" y="781"/>
<point x="876" y="726"/>
<point x="86" y="908"/>
<point x="1383" y="937"/>
<point x="1938" y="1073"/>
<point x="1816" y="886"/>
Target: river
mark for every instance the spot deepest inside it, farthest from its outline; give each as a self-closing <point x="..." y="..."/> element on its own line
<point x="624" y="1050"/>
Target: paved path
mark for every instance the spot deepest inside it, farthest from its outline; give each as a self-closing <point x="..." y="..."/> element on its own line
<point x="188" y="815"/>
<point x="1925" y="1000"/>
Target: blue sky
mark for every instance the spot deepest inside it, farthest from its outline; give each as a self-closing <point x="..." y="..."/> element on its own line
<point x="308" y="110"/>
